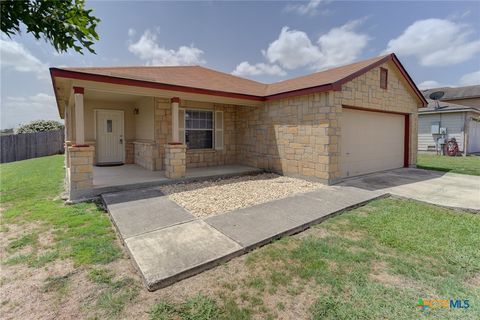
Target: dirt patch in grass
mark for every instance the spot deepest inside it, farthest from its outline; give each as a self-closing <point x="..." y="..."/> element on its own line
<point x="474" y="281"/>
<point x="219" y="196"/>
<point x="380" y="274"/>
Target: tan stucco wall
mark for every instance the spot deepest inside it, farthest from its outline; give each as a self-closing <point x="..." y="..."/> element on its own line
<point x="91" y="105"/>
<point x="144" y="120"/>
<point x="197" y="158"/>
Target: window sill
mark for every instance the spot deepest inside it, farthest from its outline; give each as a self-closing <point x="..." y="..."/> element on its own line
<point x="200" y="150"/>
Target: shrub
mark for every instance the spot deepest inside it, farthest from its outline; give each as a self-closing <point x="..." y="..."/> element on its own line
<point x="39" y="125"/>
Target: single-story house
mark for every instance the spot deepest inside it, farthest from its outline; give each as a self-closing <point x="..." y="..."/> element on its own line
<point x="454" y="114"/>
<point x="330" y="125"/>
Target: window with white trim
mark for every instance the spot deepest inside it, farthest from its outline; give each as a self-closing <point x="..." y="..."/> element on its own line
<point x="199" y="129"/>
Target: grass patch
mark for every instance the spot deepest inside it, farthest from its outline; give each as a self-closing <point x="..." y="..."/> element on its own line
<point x="100" y="276"/>
<point x="406" y="250"/>
<point x="57" y="284"/>
<point x="30" y="191"/>
<point x="30" y="239"/>
<point x="114" y="295"/>
<point x="466" y="165"/>
<point x="198" y="308"/>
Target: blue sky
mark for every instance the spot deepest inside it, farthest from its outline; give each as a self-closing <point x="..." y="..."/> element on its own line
<point x="438" y="43"/>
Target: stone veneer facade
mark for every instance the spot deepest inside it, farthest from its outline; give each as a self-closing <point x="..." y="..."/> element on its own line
<point x="288" y="136"/>
<point x="299" y="136"/>
<point x="364" y="92"/>
<point x="80" y="170"/>
<point x="175" y="161"/>
<point x="197" y="158"/>
<point x="147" y="155"/>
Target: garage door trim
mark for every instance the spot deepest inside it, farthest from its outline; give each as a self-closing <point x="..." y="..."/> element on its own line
<point x="406" y="145"/>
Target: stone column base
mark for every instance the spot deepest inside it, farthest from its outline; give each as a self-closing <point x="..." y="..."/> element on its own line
<point x="175" y="161"/>
<point x="80" y="172"/>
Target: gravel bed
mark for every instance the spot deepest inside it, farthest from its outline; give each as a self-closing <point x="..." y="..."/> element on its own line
<point x="213" y="197"/>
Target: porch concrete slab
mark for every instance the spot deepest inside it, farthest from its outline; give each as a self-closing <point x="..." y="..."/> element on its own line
<point x="167" y="255"/>
<point x="135" y="213"/>
<point x="124" y="175"/>
<point x="258" y="225"/>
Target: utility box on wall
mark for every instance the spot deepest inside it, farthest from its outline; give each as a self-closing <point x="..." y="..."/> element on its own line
<point x="435" y="129"/>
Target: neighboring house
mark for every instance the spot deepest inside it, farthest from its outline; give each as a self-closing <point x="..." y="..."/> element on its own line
<point x="456" y="113"/>
<point x="467" y="96"/>
<point x="338" y="123"/>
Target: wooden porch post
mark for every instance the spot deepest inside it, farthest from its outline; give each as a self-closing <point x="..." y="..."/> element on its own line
<point x="79" y="123"/>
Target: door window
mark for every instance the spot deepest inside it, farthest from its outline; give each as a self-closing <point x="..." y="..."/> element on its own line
<point x="109" y="126"/>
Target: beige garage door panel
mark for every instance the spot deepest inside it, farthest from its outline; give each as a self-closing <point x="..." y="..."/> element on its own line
<point x="370" y="142"/>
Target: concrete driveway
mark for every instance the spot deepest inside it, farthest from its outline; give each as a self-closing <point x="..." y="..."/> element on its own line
<point x="442" y="188"/>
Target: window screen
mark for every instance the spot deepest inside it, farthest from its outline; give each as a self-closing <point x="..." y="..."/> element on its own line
<point x="199" y="129"/>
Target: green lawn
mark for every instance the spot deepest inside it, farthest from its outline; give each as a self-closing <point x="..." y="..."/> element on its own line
<point x="374" y="262"/>
<point x="30" y="193"/>
<point x="465" y="165"/>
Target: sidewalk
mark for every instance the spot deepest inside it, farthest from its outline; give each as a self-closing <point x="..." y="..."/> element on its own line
<point x="168" y="244"/>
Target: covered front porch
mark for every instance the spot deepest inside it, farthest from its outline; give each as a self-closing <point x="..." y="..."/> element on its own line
<point x="124" y="138"/>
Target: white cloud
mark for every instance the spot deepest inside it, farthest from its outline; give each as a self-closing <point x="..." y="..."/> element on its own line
<point x="428" y="84"/>
<point x="310" y="8"/>
<point x="470" y="79"/>
<point x="16" y="56"/>
<point x="148" y="49"/>
<point x="436" y="42"/>
<point x="292" y="49"/>
<point x="247" y="69"/>
<point x="340" y="45"/>
<point x="23" y="109"/>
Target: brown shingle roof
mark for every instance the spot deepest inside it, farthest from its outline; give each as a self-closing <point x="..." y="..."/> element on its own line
<point x="185" y="76"/>
<point x="442" y="106"/>
<point x="215" y="82"/>
<point x="455" y="93"/>
<point x="321" y="78"/>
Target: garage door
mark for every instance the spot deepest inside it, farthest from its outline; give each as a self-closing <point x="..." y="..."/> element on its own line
<point x="371" y="141"/>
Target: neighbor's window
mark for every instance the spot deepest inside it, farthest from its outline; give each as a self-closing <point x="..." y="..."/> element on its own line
<point x="199" y="129"/>
<point x="383" y="78"/>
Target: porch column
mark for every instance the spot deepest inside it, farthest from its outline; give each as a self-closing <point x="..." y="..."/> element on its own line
<point x="175" y="101"/>
<point x="175" y="151"/>
<point x="79" y="123"/>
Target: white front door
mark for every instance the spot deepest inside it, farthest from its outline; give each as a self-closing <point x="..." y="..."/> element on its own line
<point x="109" y="132"/>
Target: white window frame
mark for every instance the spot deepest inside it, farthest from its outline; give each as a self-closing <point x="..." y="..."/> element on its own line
<point x="198" y="129"/>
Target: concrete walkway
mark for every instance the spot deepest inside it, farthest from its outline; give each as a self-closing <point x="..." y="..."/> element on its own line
<point x="168" y="244"/>
<point x="441" y="188"/>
